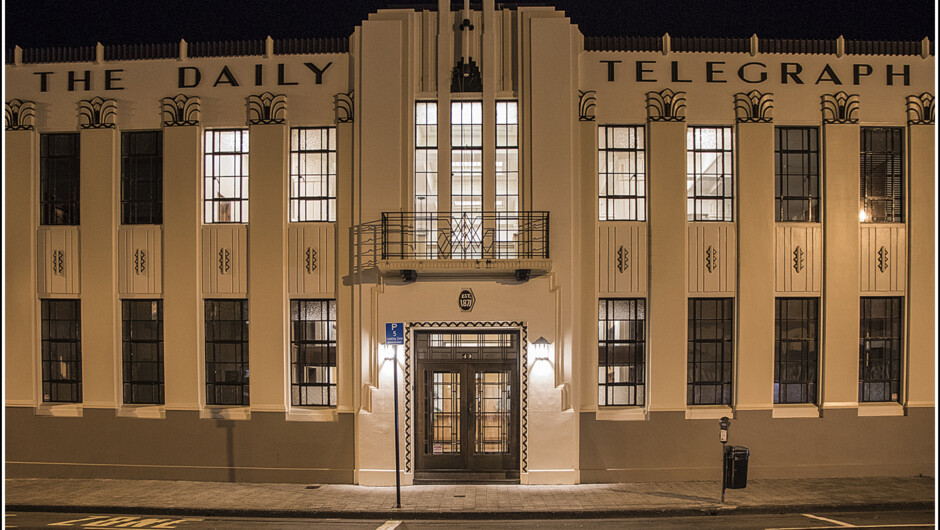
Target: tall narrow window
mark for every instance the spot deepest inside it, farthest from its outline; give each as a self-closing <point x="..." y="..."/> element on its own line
<point x="142" y="178"/>
<point x="226" y="176"/>
<point x="621" y="173"/>
<point x="142" y="350"/>
<point x="621" y="342"/>
<point x="227" y="352"/>
<point x="507" y="178"/>
<point x="710" y="180"/>
<point x="425" y="205"/>
<point x="61" y="339"/>
<point x="59" y="179"/>
<point x="313" y="352"/>
<point x="880" y="349"/>
<point x="796" y="174"/>
<point x="796" y="355"/>
<point x="711" y="346"/>
<point x="882" y="175"/>
<point x="313" y="174"/>
<point x="466" y="137"/>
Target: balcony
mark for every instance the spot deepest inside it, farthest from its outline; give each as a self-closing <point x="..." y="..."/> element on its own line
<point x="461" y="243"/>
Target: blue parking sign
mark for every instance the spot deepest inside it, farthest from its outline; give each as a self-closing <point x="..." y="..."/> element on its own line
<point x="394" y="333"/>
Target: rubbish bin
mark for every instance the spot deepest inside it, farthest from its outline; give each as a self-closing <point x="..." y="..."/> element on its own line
<point x="735" y="466"/>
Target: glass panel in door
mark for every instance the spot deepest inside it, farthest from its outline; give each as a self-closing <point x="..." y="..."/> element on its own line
<point x="444" y="437"/>
<point x="493" y="412"/>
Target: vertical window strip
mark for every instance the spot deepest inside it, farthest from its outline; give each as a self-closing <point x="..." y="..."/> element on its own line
<point x="466" y="179"/>
<point x="227" y="352"/>
<point x="425" y="178"/>
<point x="142" y="351"/>
<point x="796" y="351"/>
<point x="796" y="174"/>
<point x="313" y="352"/>
<point x="711" y="346"/>
<point x="507" y="178"/>
<point x="61" y="345"/>
<point x="882" y="175"/>
<point x="142" y="177"/>
<point x="621" y="173"/>
<point x="621" y="352"/>
<point x="312" y="174"/>
<point x="226" y="176"/>
<point x="710" y="181"/>
<point x="59" y="170"/>
<point x="881" y="330"/>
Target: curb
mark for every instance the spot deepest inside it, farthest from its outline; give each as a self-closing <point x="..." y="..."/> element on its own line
<point x="479" y="514"/>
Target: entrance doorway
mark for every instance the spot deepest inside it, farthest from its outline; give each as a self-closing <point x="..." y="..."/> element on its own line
<point x="467" y="411"/>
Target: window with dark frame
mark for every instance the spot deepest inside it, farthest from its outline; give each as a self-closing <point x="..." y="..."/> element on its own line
<point x="796" y="174"/>
<point x="142" y="351"/>
<point x="621" y="344"/>
<point x="796" y="350"/>
<point x="59" y="182"/>
<point x="227" y="352"/>
<point x="313" y="352"/>
<point x="225" y="192"/>
<point x="621" y="173"/>
<point x="312" y="174"/>
<point x="710" y="174"/>
<point x="61" y="345"/>
<point x="142" y="178"/>
<point x="881" y="329"/>
<point x="711" y="349"/>
<point x="882" y="175"/>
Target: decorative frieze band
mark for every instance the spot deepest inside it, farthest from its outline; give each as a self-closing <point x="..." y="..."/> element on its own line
<point x="19" y="115"/>
<point x="665" y="105"/>
<point x="267" y="109"/>
<point x="180" y="110"/>
<point x="754" y="107"/>
<point x="97" y="113"/>
<point x="840" y="108"/>
<point x="921" y="109"/>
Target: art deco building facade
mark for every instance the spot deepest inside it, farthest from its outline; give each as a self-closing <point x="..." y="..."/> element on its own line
<point x="596" y="247"/>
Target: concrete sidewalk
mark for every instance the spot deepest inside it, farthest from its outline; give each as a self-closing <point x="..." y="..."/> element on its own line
<point x="465" y="501"/>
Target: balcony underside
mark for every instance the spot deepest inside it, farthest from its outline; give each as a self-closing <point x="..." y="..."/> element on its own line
<point x="465" y="267"/>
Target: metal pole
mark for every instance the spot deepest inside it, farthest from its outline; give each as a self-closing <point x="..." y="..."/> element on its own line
<point x="397" y="460"/>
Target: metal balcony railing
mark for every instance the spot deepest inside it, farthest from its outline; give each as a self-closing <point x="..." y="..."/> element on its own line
<point x="465" y="235"/>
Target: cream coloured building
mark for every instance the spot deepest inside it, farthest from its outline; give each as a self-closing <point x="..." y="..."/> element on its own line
<point x="596" y="247"/>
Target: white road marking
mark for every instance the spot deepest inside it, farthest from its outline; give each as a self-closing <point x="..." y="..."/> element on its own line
<point x="833" y="521"/>
<point x="389" y="525"/>
<point x="914" y="525"/>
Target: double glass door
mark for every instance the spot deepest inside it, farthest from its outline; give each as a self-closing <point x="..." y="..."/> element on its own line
<point x="468" y="403"/>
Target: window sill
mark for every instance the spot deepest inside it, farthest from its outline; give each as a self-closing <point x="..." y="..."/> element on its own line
<point x="708" y="412"/>
<point x="222" y="412"/>
<point x="880" y="409"/>
<point x="799" y="410"/>
<point x="153" y="412"/>
<point x="621" y="414"/>
<point x="60" y="410"/>
<point x="311" y="414"/>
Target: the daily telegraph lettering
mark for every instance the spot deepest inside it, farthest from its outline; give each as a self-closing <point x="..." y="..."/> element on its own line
<point x="188" y="77"/>
<point x="756" y="72"/>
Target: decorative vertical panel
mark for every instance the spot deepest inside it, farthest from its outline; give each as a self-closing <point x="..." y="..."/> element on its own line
<point x="140" y="251"/>
<point x="225" y="259"/>
<point x="311" y="256"/>
<point x="798" y="267"/>
<point x="622" y="258"/>
<point x="59" y="260"/>
<point x="712" y="258"/>
<point x="882" y="259"/>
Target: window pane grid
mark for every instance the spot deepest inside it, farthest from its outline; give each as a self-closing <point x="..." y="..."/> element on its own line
<point x="882" y="174"/>
<point x="621" y="352"/>
<point x="61" y="345"/>
<point x="796" y="174"/>
<point x="59" y="179"/>
<point x="227" y="352"/>
<point x="710" y="181"/>
<point x="142" y="351"/>
<point x="710" y="351"/>
<point x="507" y="176"/>
<point x="313" y="352"/>
<point x="467" y="178"/>
<point x="796" y="356"/>
<point x="313" y="174"/>
<point x="226" y="176"/>
<point x="880" y="349"/>
<point x="622" y="173"/>
<point x="142" y="177"/>
<point x="426" y="174"/>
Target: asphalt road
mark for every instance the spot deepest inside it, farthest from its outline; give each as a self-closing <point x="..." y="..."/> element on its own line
<point x="793" y="521"/>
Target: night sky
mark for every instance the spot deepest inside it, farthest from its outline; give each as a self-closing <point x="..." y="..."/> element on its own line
<point x="40" y="23"/>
